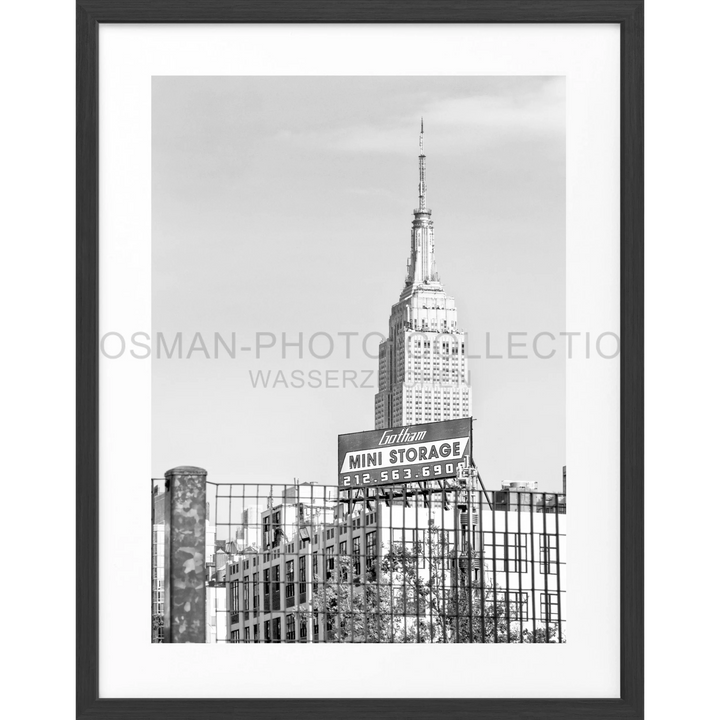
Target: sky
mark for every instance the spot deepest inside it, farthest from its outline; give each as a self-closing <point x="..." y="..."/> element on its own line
<point x="284" y="205"/>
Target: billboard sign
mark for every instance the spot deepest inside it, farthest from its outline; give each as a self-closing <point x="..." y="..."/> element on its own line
<point x="407" y="454"/>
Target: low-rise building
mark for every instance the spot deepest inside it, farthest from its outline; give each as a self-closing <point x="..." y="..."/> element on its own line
<point x="414" y="563"/>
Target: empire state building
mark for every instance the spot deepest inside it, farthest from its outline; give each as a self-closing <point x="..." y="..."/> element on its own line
<point x="422" y="363"/>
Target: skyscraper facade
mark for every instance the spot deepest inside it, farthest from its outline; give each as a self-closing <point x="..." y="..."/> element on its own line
<point x="422" y="364"/>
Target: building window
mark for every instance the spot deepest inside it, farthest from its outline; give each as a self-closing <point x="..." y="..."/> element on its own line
<point x="329" y="561"/>
<point x="507" y="550"/>
<point x="302" y="576"/>
<point x="277" y="532"/>
<point x="548" y="606"/>
<point x="255" y="632"/>
<point x="275" y="587"/>
<point x="235" y="636"/>
<point x="370" y="550"/>
<point x="247" y="634"/>
<point x="290" y="628"/>
<point x="266" y="533"/>
<point x="266" y="589"/>
<point x="276" y="629"/>
<point x="315" y="571"/>
<point x="246" y="595"/>
<point x="289" y="583"/>
<point x="267" y="632"/>
<point x="548" y="554"/>
<point x="256" y="592"/>
<point x="235" y="596"/>
<point x="356" y="555"/>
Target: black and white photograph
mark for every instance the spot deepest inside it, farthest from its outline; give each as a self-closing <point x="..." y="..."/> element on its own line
<point x="359" y="352"/>
<point x="359" y="359"/>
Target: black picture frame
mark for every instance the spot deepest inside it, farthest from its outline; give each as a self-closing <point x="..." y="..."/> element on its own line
<point x="629" y="15"/>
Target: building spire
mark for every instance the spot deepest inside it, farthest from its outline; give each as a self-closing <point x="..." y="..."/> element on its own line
<point x="423" y="187"/>
<point x="421" y="263"/>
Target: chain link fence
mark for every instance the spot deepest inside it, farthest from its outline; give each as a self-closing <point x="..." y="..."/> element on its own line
<point x="435" y="561"/>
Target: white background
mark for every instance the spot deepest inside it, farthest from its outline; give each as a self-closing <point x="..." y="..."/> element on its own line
<point x="588" y="57"/>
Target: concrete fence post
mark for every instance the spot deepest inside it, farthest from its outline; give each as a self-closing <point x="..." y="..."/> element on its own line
<point x="185" y="522"/>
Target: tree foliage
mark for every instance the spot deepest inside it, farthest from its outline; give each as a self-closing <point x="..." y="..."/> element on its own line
<point x="409" y="595"/>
